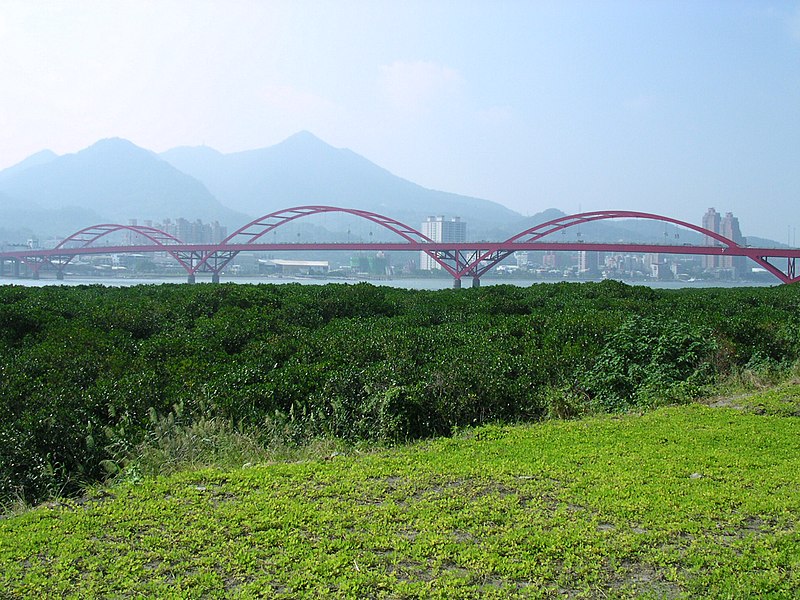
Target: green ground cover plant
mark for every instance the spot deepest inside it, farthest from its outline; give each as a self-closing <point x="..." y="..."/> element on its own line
<point x="89" y="374"/>
<point x="688" y="501"/>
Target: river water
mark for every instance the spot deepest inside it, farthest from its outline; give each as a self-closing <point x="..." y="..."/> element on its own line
<point x="404" y="283"/>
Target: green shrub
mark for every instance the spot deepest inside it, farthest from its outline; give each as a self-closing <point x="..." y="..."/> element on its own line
<point x="83" y="369"/>
<point x="650" y="360"/>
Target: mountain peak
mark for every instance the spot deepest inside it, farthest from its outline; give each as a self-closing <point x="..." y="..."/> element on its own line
<point x="40" y="158"/>
<point x="176" y="155"/>
<point x="114" y="145"/>
<point x="304" y="169"/>
<point x="304" y="140"/>
<point x="305" y="136"/>
<point x="116" y="180"/>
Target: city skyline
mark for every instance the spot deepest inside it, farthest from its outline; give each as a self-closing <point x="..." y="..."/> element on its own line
<point x="442" y="241"/>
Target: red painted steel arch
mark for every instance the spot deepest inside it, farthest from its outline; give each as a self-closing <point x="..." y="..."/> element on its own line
<point x="259" y="227"/>
<point x="539" y="231"/>
<point x="489" y="259"/>
<point x="255" y="229"/>
<point x="87" y="236"/>
<point x="472" y="258"/>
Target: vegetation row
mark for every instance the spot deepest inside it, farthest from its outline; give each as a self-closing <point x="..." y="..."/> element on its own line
<point x="90" y="373"/>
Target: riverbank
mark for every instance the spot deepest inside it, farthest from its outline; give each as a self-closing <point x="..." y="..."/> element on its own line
<point x="409" y="283"/>
<point x="690" y="501"/>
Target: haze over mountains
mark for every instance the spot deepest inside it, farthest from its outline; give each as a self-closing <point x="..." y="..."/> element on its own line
<point x="305" y="170"/>
<point x="110" y="181"/>
<point x="115" y="181"/>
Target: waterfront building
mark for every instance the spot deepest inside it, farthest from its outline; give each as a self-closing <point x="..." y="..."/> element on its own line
<point x="444" y="230"/>
<point x="727" y="226"/>
<point x="588" y="262"/>
<point x="711" y="221"/>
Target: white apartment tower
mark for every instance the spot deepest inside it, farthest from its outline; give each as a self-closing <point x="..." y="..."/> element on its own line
<point x="440" y="229"/>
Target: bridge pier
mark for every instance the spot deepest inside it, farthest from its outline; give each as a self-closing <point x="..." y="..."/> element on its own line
<point x="35" y="274"/>
<point x="190" y="278"/>
<point x="476" y="282"/>
<point x="214" y="277"/>
<point x="16" y="269"/>
<point x="60" y="275"/>
<point x="456" y="284"/>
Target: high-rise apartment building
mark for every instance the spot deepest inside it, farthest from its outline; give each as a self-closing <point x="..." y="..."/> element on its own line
<point x="440" y="229"/>
<point x="727" y="226"/>
<point x="711" y="221"/>
<point x="187" y="231"/>
<point x="588" y="262"/>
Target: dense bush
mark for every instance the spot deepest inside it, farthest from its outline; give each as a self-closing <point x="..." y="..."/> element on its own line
<point x="648" y="359"/>
<point x="84" y="369"/>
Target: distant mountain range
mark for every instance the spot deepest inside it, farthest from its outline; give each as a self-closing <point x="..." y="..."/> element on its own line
<point x="115" y="181"/>
<point x="110" y="181"/>
<point x="305" y="170"/>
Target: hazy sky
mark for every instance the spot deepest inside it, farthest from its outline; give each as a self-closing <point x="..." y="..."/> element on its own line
<point x="668" y="107"/>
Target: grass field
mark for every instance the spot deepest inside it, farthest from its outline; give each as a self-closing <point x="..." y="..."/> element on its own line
<point x="688" y="501"/>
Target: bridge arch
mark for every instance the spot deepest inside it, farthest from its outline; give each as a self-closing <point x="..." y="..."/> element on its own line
<point x="489" y="259"/>
<point x="539" y="231"/>
<point x="88" y="235"/>
<point x="261" y="226"/>
<point x="473" y="259"/>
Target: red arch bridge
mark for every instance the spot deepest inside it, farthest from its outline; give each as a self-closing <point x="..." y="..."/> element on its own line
<point x="462" y="259"/>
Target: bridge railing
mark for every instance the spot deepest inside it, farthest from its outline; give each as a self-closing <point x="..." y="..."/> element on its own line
<point x="465" y="259"/>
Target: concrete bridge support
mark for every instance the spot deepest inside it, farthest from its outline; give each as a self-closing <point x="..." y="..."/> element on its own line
<point x="9" y="267"/>
<point x="476" y="282"/>
<point x="190" y="278"/>
<point x="456" y="284"/>
<point x="60" y="275"/>
<point x="214" y="277"/>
